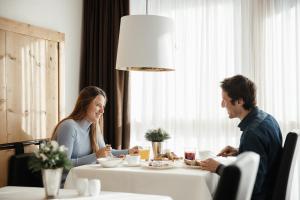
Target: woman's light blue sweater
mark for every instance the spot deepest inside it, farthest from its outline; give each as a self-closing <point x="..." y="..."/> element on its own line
<point x="75" y="136"/>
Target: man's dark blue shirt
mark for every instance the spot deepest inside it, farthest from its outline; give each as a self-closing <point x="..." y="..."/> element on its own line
<point x="261" y="134"/>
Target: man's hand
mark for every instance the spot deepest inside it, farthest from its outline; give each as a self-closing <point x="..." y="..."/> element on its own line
<point x="209" y="165"/>
<point x="228" y="151"/>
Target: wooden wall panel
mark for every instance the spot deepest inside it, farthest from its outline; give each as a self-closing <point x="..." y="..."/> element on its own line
<point x="52" y="86"/>
<point x="3" y="134"/>
<point x="32" y="91"/>
<point x="18" y="87"/>
<point x="28" y="29"/>
<point x="31" y="85"/>
<point x="61" y="80"/>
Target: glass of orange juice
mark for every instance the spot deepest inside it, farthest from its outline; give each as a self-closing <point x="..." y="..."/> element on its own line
<point x="145" y="153"/>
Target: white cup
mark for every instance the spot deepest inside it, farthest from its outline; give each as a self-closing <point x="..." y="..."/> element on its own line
<point x="94" y="187"/>
<point x="82" y="186"/>
<point x="203" y="155"/>
<point x="133" y="159"/>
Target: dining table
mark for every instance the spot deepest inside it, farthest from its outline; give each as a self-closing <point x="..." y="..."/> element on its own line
<point x="38" y="193"/>
<point x="180" y="182"/>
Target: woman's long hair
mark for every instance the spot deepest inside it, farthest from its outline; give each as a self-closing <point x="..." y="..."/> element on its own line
<point x="86" y="96"/>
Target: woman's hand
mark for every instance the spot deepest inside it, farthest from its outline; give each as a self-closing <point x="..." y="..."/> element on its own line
<point x="103" y="152"/>
<point x="228" y="151"/>
<point x="133" y="150"/>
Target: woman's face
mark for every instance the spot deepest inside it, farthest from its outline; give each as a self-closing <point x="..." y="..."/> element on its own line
<point x="95" y="109"/>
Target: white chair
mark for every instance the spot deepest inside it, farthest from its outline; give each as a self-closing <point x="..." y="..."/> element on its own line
<point x="248" y="163"/>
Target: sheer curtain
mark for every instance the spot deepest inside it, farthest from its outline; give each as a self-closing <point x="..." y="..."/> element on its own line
<point x="215" y="39"/>
<point x="187" y="102"/>
<point x="275" y="57"/>
<point x="274" y="63"/>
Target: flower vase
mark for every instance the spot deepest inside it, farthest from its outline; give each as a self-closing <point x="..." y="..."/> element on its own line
<point x="51" y="181"/>
<point x="157" y="149"/>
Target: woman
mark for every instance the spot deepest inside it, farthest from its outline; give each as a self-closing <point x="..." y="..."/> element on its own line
<point x="80" y="132"/>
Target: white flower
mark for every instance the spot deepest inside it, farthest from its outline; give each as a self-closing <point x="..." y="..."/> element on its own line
<point x="46" y="149"/>
<point x="62" y="148"/>
<point x="54" y="145"/>
<point x="51" y="156"/>
<point x="44" y="157"/>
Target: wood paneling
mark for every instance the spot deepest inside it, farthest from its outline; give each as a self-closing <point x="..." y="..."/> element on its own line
<point x="3" y="134"/>
<point x="31" y="68"/>
<point x="28" y="29"/>
<point x="19" y="87"/>
<point x="61" y="78"/>
<point x="32" y="92"/>
<point x="52" y="86"/>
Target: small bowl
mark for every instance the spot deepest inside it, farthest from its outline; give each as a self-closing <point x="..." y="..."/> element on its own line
<point x="109" y="162"/>
<point x="133" y="160"/>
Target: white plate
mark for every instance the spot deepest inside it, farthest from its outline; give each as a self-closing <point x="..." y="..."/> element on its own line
<point x="109" y="162"/>
<point x="130" y="165"/>
<point x="192" y="166"/>
<point x="169" y="166"/>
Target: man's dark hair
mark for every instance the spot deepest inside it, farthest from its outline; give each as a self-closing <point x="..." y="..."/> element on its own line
<point x="240" y="87"/>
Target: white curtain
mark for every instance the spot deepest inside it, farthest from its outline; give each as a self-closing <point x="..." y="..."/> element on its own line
<point x="187" y="102"/>
<point x="216" y="39"/>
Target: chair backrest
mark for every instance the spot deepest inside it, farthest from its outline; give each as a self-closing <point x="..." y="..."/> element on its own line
<point x="20" y="174"/>
<point x="238" y="178"/>
<point x="248" y="163"/>
<point x="228" y="184"/>
<point x="286" y="168"/>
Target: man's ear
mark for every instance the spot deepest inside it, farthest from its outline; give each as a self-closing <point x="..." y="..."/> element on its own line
<point x="241" y="101"/>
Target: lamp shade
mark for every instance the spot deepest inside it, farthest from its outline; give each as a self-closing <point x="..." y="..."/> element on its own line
<point x="145" y="43"/>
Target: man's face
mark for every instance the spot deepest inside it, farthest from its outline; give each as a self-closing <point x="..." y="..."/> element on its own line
<point x="234" y="109"/>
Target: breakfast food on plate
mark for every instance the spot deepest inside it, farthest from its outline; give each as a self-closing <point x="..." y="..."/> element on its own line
<point x="168" y="156"/>
<point x="192" y="162"/>
<point x="171" y="156"/>
<point x="156" y="163"/>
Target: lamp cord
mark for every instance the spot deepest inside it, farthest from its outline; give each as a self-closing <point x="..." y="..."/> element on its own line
<point x="146" y="7"/>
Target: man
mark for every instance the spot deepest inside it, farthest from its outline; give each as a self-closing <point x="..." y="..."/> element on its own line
<point x="261" y="134"/>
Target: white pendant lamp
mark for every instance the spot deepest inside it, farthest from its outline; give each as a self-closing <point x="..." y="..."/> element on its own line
<point x="145" y="43"/>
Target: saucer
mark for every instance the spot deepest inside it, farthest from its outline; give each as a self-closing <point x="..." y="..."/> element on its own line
<point x="131" y="165"/>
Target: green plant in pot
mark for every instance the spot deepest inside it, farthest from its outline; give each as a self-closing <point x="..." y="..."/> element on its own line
<point x="156" y="136"/>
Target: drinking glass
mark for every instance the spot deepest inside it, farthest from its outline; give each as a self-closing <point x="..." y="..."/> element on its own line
<point x="190" y="153"/>
<point x="145" y="153"/>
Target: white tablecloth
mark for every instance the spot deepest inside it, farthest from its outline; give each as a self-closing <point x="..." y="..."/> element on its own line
<point x="34" y="193"/>
<point x="179" y="183"/>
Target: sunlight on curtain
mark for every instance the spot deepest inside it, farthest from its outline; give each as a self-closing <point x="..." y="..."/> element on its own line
<point x="187" y="102"/>
<point x="276" y="43"/>
<point x="278" y="73"/>
<point x="215" y="39"/>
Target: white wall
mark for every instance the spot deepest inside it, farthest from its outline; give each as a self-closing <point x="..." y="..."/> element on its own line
<point x="60" y="15"/>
